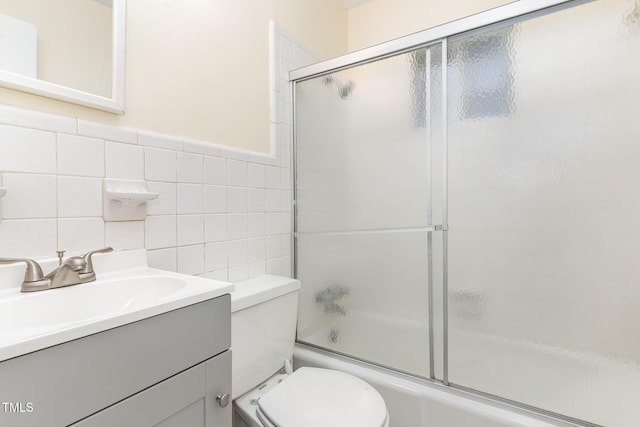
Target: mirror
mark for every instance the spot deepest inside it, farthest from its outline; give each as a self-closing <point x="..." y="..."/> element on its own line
<point x="72" y="50"/>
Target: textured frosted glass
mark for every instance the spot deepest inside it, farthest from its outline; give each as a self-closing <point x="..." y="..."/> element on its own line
<point x="361" y="147"/>
<point x="544" y="208"/>
<point x="368" y="182"/>
<point x="366" y="296"/>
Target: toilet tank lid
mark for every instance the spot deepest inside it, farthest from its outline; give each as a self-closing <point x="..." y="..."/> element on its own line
<point x="254" y="291"/>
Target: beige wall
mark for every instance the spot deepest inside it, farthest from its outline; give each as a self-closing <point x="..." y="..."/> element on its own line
<point x="200" y="69"/>
<point x="382" y="20"/>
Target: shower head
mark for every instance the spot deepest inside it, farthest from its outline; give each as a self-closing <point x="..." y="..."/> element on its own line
<point x="345" y="87"/>
<point x="328" y="80"/>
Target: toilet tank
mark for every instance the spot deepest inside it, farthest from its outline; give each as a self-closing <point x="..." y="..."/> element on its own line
<point x="264" y="311"/>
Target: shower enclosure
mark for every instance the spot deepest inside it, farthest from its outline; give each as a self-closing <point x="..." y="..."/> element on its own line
<point x="467" y="206"/>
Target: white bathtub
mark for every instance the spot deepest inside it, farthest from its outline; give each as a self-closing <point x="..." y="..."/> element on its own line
<point x="417" y="403"/>
<point x="580" y="384"/>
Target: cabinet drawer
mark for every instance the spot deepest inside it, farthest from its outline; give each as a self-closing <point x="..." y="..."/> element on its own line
<point x="73" y="380"/>
<point x="187" y="399"/>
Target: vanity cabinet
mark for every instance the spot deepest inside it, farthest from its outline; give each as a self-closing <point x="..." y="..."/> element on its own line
<point x="185" y="400"/>
<point x="166" y="370"/>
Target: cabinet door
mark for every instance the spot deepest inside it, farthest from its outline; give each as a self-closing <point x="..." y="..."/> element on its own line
<point x="185" y="400"/>
<point x="218" y="383"/>
<point x="73" y="380"/>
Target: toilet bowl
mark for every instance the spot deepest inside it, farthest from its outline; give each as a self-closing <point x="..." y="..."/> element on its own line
<point x="263" y="322"/>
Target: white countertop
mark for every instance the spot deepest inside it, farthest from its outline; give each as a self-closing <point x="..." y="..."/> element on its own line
<point x="126" y="290"/>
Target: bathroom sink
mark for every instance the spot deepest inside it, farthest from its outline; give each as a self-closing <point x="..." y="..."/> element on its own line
<point x="126" y="290"/>
<point x="29" y="311"/>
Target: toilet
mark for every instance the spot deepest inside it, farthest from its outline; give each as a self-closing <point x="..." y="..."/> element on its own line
<point x="265" y="390"/>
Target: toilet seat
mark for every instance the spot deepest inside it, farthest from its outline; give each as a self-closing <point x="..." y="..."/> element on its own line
<point x="264" y="420"/>
<point x="313" y="397"/>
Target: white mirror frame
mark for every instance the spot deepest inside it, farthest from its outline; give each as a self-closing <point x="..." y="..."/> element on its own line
<point x="115" y="104"/>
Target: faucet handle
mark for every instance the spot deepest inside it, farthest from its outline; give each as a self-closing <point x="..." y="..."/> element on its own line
<point x="89" y="262"/>
<point x="33" y="273"/>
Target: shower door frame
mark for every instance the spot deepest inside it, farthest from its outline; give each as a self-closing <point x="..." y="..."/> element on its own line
<point x="437" y="35"/>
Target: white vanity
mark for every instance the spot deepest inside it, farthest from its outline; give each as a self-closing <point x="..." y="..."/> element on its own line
<point x="137" y="347"/>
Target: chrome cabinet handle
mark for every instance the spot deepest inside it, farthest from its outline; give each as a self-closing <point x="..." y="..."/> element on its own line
<point x="222" y="399"/>
<point x="33" y="273"/>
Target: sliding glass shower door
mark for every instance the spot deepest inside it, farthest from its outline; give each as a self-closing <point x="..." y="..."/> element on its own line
<point x="544" y="211"/>
<point x="476" y="219"/>
<point x="364" y="196"/>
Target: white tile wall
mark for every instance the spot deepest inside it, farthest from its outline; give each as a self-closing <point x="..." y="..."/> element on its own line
<point x="274" y="247"/>
<point x="256" y="225"/>
<point x="37" y="120"/>
<point x="272" y="200"/>
<point x="238" y="252"/>
<point x="256" y="250"/>
<point x="26" y="150"/>
<point x="190" y="168"/>
<point x="80" y="234"/>
<point x="161" y="231"/>
<point x="237" y="173"/>
<point x="274" y="266"/>
<point x="190" y="198"/>
<point x="239" y="273"/>
<point x="217" y="274"/>
<point x="215" y="199"/>
<point x="191" y="259"/>
<point x="274" y="179"/>
<point x="28" y="238"/>
<point x="166" y="203"/>
<point x="199" y="147"/>
<point x="215" y="170"/>
<point x="286" y="245"/>
<point x="237" y="199"/>
<point x="216" y="256"/>
<point x="80" y="155"/>
<point x="124" y="160"/>
<point x="286" y="179"/>
<point x="165" y="259"/>
<point x="257" y="269"/>
<point x="256" y="202"/>
<point x="160" y="141"/>
<point x="190" y="229"/>
<point x="215" y="228"/>
<point x="222" y="213"/>
<point x="256" y="175"/>
<point x="237" y="226"/>
<point x="273" y="223"/>
<point x="102" y="131"/>
<point x="79" y="197"/>
<point x="159" y="164"/>
<point x="31" y="196"/>
<point x="125" y="235"/>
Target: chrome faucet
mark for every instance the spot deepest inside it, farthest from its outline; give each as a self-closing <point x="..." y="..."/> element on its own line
<point x="72" y="271"/>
